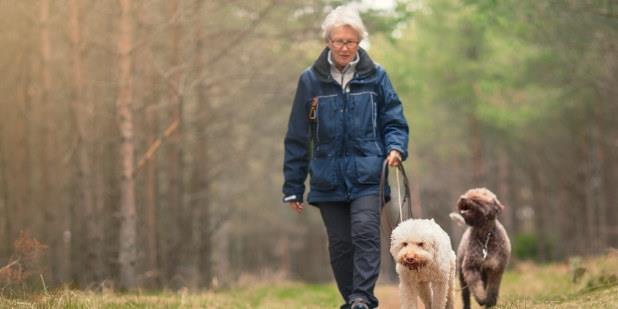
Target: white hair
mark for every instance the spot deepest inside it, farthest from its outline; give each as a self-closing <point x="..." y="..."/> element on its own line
<point x="345" y="15"/>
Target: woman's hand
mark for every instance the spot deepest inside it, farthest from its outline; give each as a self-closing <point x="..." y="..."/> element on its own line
<point x="296" y="206"/>
<point x="394" y="158"/>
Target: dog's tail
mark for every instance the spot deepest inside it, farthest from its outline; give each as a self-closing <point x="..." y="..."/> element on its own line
<point x="457" y="218"/>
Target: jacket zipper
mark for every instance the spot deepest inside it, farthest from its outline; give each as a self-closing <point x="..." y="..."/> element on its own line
<point x="345" y="135"/>
<point x="374" y="116"/>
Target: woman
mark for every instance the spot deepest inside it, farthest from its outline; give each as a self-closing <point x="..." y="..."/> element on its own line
<point x="345" y="120"/>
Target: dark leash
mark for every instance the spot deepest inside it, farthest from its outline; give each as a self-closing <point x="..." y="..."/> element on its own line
<point x="405" y="207"/>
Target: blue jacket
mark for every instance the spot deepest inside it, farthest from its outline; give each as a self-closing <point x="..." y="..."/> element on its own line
<point x="341" y="138"/>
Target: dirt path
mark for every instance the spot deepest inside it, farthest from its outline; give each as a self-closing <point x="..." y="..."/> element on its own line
<point x="389" y="297"/>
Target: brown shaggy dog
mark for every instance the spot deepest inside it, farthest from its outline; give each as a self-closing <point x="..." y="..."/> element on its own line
<point x="484" y="250"/>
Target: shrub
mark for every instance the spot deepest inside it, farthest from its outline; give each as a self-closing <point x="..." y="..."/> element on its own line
<point x="25" y="261"/>
<point x="525" y="246"/>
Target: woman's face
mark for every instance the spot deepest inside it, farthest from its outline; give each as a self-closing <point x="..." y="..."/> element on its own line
<point x="343" y="43"/>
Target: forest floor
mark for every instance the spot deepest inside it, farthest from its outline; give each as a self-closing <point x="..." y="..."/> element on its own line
<point x="526" y="285"/>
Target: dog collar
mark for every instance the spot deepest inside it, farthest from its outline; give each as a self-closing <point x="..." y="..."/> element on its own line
<point x="485" y="245"/>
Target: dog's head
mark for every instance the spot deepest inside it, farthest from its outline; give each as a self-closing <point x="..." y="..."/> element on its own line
<point x="479" y="206"/>
<point x="413" y="245"/>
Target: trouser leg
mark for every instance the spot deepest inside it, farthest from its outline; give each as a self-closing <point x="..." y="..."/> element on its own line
<point x="365" y="233"/>
<point x="336" y="217"/>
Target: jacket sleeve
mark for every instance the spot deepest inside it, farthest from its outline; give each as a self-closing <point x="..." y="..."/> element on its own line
<point x="392" y="121"/>
<point x="296" y="144"/>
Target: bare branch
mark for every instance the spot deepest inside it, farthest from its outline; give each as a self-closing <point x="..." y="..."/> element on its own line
<point x="154" y="146"/>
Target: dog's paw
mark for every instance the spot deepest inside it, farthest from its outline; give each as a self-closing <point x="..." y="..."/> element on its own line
<point x="457" y="218"/>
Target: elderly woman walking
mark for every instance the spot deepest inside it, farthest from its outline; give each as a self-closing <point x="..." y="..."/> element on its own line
<point x="346" y="119"/>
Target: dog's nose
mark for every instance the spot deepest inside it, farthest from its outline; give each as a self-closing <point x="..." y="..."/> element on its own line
<point x="410" y="259"/>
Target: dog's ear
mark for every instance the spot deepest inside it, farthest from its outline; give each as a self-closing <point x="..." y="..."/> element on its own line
<point x="460" y="202"/>
<point x="498" y="206"/>
<point x="495" y="208"/>
<point x="433" y="243"/>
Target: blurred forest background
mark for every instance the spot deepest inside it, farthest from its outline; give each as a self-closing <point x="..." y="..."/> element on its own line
<point x="141" y="141"/>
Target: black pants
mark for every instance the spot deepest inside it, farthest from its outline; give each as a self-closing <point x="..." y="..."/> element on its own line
<point x="354" y="244"/>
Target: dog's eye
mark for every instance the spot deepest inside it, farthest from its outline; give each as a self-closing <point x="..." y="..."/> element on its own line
<point x="421" y="244"/>
<point x="404" y="244"/>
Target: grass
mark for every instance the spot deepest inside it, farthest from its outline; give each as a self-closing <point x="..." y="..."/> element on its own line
<point x="530" y="285"/>
<point x="282" y="295"/>
<point x="527" y="285"/>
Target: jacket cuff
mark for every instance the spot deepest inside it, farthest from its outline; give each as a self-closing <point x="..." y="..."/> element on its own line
<point x="293" y="198"/>
<point x="404" y="154"/>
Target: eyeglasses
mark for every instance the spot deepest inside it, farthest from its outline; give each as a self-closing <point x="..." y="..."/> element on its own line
<point x="338" y="44"/>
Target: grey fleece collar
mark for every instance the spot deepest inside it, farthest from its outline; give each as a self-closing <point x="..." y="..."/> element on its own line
<point x="364" y="69"/>
<point x="351" y="65"/>
<point x="343" y="77"/>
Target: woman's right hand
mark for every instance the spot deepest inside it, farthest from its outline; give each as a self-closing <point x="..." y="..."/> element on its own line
<point x="296" y="206"/>
<point x="394" y="158"/>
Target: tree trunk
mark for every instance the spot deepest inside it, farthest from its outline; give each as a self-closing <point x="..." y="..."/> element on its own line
<point x="476" y="144"/>
<point x="200" y="202"/>
<point x="150" y="92"/>
<point x="175" y="164"/>
<point x="49" y="226"/>
<point x="128" y="228"/>
<point x="5" y="213"/>
<point x="152" y="250"/>
<point x="92" y="233"/>
<point x="540" y="220"/>
<point x="504" y="192"/>
<point x="595" y="208"/>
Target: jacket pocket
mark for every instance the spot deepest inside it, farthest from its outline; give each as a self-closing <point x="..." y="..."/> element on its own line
<point x="365" y="115"/>
<point x="323" y="174"/>
<point x="368" y="169"/>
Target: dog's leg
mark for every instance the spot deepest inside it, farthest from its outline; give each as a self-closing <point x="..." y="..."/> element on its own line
<point x="493" y="288"/>
<point x="449" y="293"/>
<point x="440" y="291"/>
<point x="424" y="289"/>
<point x="408" y="295"/>
<point x="473" y="280"/>
<point x="465" y="292"/>
<point x="476" y="286"/>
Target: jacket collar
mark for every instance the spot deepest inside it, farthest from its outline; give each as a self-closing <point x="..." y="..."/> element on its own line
<point x="350" y="66"/>
<point x="365" y="67"/>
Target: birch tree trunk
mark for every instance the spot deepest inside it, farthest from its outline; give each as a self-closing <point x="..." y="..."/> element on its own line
<point x="128" y="228"/>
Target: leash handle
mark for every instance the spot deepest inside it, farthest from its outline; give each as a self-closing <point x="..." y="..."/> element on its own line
<point x="407" y="200"/>
<point x="399" y="195"/>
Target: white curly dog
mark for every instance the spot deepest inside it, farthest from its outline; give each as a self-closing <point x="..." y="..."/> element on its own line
<point x="425" y="263"/>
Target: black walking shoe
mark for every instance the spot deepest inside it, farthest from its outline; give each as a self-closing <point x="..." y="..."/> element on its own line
<point x="359" y="303"/>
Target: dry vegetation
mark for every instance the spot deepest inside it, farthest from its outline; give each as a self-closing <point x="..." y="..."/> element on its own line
<point x="25" y="261"/>
<point x="527" y="285"/>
